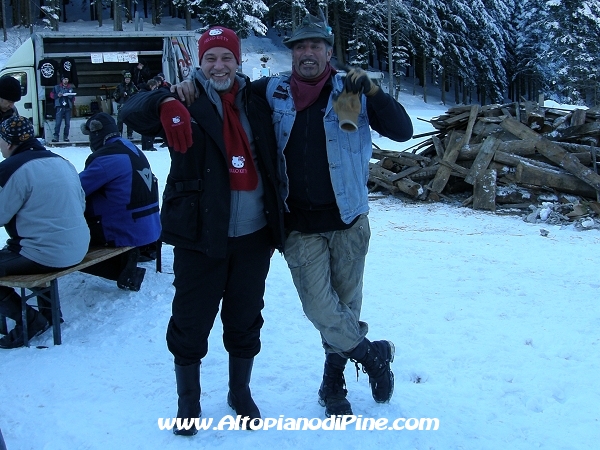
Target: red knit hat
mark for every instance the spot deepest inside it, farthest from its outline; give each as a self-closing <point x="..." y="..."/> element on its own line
<point x="219" y="37"/>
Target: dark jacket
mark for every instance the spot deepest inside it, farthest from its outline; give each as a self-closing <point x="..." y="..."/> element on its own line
<point x="121" y="196"/>
<point x="196" y="201"/>
<point x="124" y="92"/>
<point x="140" y="75"/>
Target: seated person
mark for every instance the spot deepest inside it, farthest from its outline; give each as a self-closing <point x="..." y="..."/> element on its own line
<point x="121" y="200"/>
<point x="41" y="208"/>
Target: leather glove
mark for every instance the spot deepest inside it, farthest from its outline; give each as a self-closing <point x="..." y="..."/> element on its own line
<point x="176" y="122"/>
<point x="357" y="81"/>
<point x="347" y="107"/>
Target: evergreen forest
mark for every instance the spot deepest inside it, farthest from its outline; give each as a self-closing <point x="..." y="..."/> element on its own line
<point x="484" y="51"/>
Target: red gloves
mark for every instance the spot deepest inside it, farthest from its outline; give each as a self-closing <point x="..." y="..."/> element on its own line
<point x="176" y="122"/>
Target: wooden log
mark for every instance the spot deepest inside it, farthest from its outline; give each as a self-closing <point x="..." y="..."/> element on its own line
<point x="457" y="170"/>
<point x="554" y="152"/>
<point x="452" y="151"/>
<point x="425" y="173"/>
<point x="484" y="191"/>
<point x="554" y="179"/>
<point x="575" y="147"/>
<point x="387" y="186"/>
<point x="409" y="187"/>
<point x="443" y="172"/>
<point x="513" y="160"/>
<point x="518" y="147"/>
<point x="455" y="121"/>
<point x="404" y="173"/>
<point x="382" y="177"/>
<point x="578" y="117"/>
<point x="515" y="196"/>
<point x="483" y="159"/>
<point x="376" y="171"/>
<point x="403" y="158"/>
<point x="439" y="147"/>
<point x="579" y="131"/>
<point x="502" y="169"/>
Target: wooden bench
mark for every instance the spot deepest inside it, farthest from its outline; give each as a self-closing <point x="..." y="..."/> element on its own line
<point x="45" y="285"/>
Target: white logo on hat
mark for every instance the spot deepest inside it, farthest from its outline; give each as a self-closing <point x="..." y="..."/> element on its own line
<point x="215" y="32"/>
<point x="176" y="119"/>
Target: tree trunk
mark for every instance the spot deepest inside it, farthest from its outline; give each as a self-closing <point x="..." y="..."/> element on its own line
<point x="339" y="48"/>
<point x="424" y="77"/>
<point x="118" y="25"/>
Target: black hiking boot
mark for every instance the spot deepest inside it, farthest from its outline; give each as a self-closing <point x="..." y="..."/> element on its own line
<point x="375" y="358"/>
<point x="36" y="325"/>
<point x="188" y="402"/>
<point x="239" y="396"/>
<point x="332" y="393"/>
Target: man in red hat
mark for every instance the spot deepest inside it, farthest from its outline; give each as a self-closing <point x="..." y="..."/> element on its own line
<point x="222" y="214"/>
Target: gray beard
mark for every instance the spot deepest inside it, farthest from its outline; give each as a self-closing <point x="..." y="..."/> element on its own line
<point x="220" y="85"/>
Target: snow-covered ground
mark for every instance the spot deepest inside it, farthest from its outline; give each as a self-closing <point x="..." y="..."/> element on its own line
<point x="495" y="327"/>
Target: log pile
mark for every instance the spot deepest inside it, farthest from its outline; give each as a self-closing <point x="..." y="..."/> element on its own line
<point x="514" y="155"/>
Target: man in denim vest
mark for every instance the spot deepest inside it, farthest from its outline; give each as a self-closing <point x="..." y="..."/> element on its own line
<point x="324" y="170"/>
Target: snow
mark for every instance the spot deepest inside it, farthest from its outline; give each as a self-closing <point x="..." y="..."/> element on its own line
<point x="495" y="326"/>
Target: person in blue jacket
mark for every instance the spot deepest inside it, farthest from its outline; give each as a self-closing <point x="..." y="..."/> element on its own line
<point x="121" y="200"/>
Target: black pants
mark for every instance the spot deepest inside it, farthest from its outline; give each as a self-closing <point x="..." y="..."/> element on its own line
<point x="12" y="263"/>
<point x="200" y="284"/>
<point x="109" y="269"/>
<point x="147" y="142"/>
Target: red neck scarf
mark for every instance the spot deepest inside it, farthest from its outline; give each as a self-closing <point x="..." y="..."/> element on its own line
<point x="305" y="91"/>
<point x="242" y="173"/>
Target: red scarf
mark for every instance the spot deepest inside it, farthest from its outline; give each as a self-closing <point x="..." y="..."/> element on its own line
<point x="305" y="91"/>
<point x="242" y="173"/>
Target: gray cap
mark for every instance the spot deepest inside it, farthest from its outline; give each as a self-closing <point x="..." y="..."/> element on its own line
<point x="312" y="27"/>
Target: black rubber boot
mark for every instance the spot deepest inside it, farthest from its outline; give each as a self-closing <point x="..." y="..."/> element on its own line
<point x="239" y="397"/>
<point x="132" y="276"/>
<point x="376" y="358"/>
<point x="188" y="392"/>
<point x="332" y="393"/>
<point x="36" y="325"/>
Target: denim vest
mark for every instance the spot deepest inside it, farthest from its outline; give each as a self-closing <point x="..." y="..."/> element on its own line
<point x="348" y="153"/>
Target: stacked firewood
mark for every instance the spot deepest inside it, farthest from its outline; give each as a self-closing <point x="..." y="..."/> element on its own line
<point x="499" y="156"/>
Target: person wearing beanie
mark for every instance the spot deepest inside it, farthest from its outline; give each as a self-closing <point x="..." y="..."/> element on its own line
<point x="41" y="209"/>
<point x="122" y="94"/>
<point x="324" y="169"/>
<point x="162" y="82"/>
<point x="222" y="214"/>
<point x="10" y="93"/>
<point x="64" y="99"/>
<point x="121" y="200"/>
